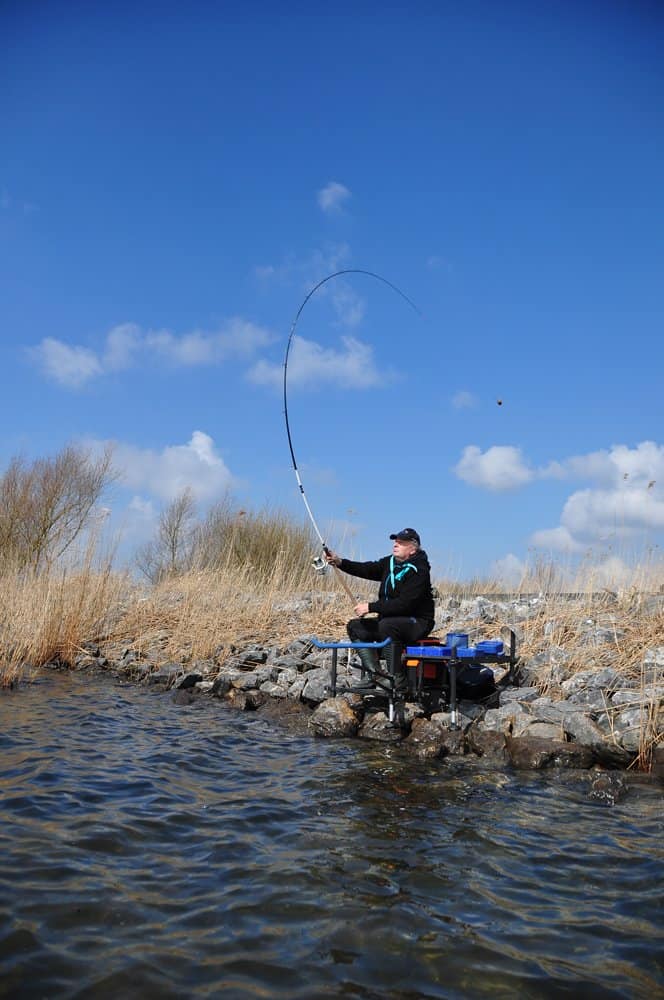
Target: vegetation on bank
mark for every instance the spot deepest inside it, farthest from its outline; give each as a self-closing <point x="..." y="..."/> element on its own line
<point x="239" y="576"/>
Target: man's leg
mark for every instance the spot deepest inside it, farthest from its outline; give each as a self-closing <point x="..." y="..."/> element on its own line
<point x="402" y="631"/>
<point x="365" y="630"/>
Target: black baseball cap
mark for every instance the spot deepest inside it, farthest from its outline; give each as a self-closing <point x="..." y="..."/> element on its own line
<point x="407" y="535"/>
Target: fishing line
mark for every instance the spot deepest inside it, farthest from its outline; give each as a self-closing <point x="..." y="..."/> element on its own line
<point x="353" y="270"/>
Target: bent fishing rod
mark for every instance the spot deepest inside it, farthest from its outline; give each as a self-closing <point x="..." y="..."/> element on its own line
<point x="319" y="563"/>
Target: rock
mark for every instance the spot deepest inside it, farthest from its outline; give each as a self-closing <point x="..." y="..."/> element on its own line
<point x="607" y="787"/>
<point x="454" y="742"/>
<point x="593" y="699"/>
<point x="608" y="678"/>
<point x="487" y="744"/>
<point x="510" y="718"/>
<point x="189" y="681"/>
<point x="543" y="730"/>
<point x="633" y="727"/>
<point x="254" y="700"/>
<point x="237" y="699"/>
<point x="183" y="697"/>
<point x="296" y="688"/>
<point x="653" y="663"/>
<point x="316" y="688"/>
<point x="334" y="717"/>
<point x="221" y="686"/>
<point x="205" y="687"/>
<point x="550" y="665"/>
<point x="521" y="694"/>
<point x="598" y="635"/>
<point x="246" y="681"/>
<point x="531" y="753"/>
<point x="376" y="726"/>
<point x="166" y="674"/>
<point x="274" y="690"/>
<point x="426" y="739"/>
<point x="652" y="693"/>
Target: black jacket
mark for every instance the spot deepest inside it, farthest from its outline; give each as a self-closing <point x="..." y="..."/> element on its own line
<point x="405" y="587"/>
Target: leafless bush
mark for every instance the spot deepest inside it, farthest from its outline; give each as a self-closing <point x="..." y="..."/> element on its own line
<point x="46" y="504"/>
<point x="171" y="552"/>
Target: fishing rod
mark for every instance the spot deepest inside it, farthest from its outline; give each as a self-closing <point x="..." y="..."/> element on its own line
<point x="319" y="562"/>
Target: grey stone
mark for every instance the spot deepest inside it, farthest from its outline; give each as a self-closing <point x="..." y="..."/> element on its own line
<point x="287" y="677"/>
<point x="582" y="729"/>
<point x="650" y="693"/>
<point x="522" y="694"/>
<point x="334" y="717"/>
<point x="599" y="635"/>
<point x="246" y="680"/>
<point x="274" y="690"/>
<point x="376" y="726"/>
<point x="189" y="681"/>
<point x="632" y="727"/>
<point x="205" y="687"/>
<point x="296" y="688"/>
<point x="608" y="678"/>
<point x="166" y="674"/>
<point x="316" y="688"/>
<point x="507" y="718"/>
<point x="545" y="730"/>
<point x="590" y="698"/>
<point x="533" y="753"/>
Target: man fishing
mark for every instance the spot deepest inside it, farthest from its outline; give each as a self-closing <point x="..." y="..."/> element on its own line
<point x="405" y="606"/>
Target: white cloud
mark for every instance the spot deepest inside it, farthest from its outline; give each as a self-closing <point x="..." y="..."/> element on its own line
<point x="353" y="367"/>
<point x="332" y="196"/>
<point x="626" y="496"/>
<point x="122" y="344"/>
<point x="556" y="540"/>
<point x="70" y="366"/>
<point x="463" y="400"/>
<point x="501" y="467"/>
<point x="167" y="473"/>
<point x="73" y="366"/>
<point x="509" y="570"/>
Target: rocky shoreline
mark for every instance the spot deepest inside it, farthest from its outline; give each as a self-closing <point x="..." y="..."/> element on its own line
<point x="538" y="715"/>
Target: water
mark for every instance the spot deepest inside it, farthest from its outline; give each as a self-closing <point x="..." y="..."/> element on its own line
<point x="150" y="850"/>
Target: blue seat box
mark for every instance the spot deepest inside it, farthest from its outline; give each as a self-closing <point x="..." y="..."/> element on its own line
<point x="490" y="646"/>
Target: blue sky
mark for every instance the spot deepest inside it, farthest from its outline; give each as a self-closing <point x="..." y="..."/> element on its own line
<point x="174" y="179"/>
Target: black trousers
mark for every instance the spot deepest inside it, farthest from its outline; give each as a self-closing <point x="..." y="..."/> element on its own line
<point x="402" y="631"/>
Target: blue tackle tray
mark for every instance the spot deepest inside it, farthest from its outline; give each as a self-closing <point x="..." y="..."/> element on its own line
<point x="490" y="646"/>
<point x="428" y="651"/>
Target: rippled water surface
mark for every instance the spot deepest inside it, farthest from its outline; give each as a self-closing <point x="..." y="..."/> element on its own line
<point x="151" y="850"/>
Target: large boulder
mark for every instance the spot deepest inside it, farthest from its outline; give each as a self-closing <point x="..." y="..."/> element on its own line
<point x="334" y="717"/>
<point x="533" y="753"/>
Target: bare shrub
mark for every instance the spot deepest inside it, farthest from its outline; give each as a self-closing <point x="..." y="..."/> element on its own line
<point x="171" y="552"/>
<point x="45" y="505"/>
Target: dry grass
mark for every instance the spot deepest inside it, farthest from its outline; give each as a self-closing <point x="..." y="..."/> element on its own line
<point x="50" y="616"/>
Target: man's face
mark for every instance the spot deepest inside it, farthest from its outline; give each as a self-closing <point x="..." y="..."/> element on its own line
<point x="403" y="550"/>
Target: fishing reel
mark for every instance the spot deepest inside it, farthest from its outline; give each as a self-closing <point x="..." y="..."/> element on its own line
<point x="320" y="565"/>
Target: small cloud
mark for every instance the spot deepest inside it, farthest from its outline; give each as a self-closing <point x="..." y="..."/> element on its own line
<point x="333" y="196"/>
<point x="353" y="367"/>
<point x="167" y="473"/>
<point x="499" y="468"/>
<point x="555" y="539"/>
<point x="73" y="366"/>
<point x="509" y="570"/>
<point x="70" y="366"/>
<point x="122" y="344"/>
<point x="437" y="263"/>
<point x="463" y="400"/>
